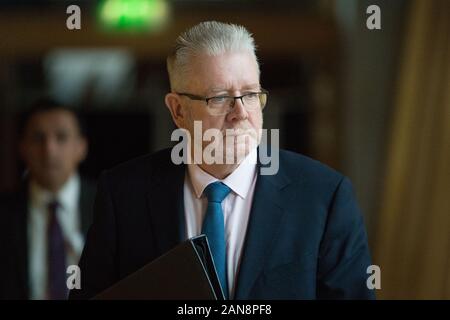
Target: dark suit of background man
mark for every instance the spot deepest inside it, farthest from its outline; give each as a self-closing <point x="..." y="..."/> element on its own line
<point x="43" y="225"/>
<point x="297" y="234"/>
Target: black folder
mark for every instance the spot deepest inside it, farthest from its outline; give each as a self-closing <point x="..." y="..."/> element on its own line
<point x="186" y="272"/>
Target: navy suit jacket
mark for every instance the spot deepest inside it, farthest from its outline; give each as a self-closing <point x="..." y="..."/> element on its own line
<point x="305" y="238"/>
<point x="14" y="237"/>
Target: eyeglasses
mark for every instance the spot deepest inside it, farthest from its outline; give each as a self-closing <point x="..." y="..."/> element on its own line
<point x="221" y="105"/>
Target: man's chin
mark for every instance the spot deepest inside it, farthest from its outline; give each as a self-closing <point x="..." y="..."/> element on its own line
<point x="51" y="182"/>
<point x="239" y="152"/>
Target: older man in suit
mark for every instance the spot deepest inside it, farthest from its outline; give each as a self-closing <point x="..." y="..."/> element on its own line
<point x="44" y="224"/>
<point x="294" y="234"/>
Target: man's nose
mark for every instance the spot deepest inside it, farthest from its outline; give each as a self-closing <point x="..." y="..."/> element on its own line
<point x="238" y="111"/>
<point x="50" y="146"/>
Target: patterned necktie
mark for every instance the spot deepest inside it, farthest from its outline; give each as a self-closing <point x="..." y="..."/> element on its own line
<point x="214" y="228"/>
<point x="56" y="256"/>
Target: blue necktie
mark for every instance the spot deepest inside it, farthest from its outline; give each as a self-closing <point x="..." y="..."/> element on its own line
<point x="214" y="228"/>
<point x="56" y="256"/>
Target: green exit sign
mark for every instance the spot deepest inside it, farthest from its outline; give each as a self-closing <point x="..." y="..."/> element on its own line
<point x="133" y="15"/>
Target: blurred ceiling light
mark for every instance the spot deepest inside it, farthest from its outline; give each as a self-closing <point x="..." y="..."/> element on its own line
<point x="133" y="15"/>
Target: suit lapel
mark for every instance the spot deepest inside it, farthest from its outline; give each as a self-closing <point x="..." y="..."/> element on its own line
<point x="265" y="219"/>
<point x="87" y="198"/>
<point x="165" y="203"/>
<point x="21" y="239"/>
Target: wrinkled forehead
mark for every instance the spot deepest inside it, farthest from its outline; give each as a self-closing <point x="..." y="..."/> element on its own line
<point x="227" y="71"/>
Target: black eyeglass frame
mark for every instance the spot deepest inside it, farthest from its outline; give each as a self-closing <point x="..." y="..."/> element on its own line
<point x="207" y="99"/>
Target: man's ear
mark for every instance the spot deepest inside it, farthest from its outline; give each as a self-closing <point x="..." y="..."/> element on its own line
<point x="176" y="110"/>
<point x="21" y="148"/>
<point x="83" y="147"/>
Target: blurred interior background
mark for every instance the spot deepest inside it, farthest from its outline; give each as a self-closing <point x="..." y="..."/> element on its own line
<point x="374" y="104"/>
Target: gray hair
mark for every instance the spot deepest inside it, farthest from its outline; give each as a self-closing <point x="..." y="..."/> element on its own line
<point x="211" y="38"/>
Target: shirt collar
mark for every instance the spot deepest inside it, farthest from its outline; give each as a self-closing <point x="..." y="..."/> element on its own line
<point x="239" y="181"/>
<point x="67" y="196"/>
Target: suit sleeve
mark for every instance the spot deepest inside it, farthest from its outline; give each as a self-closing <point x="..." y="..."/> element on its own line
<point x="344" y="253"/>
<point x="98" y="268"/>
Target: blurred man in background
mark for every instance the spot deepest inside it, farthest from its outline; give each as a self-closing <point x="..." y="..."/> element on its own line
<point x="43" y="225"/>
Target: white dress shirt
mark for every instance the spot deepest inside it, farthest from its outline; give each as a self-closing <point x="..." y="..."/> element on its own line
<point x="236" y="207"/>
<point x="69" y="220"/>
